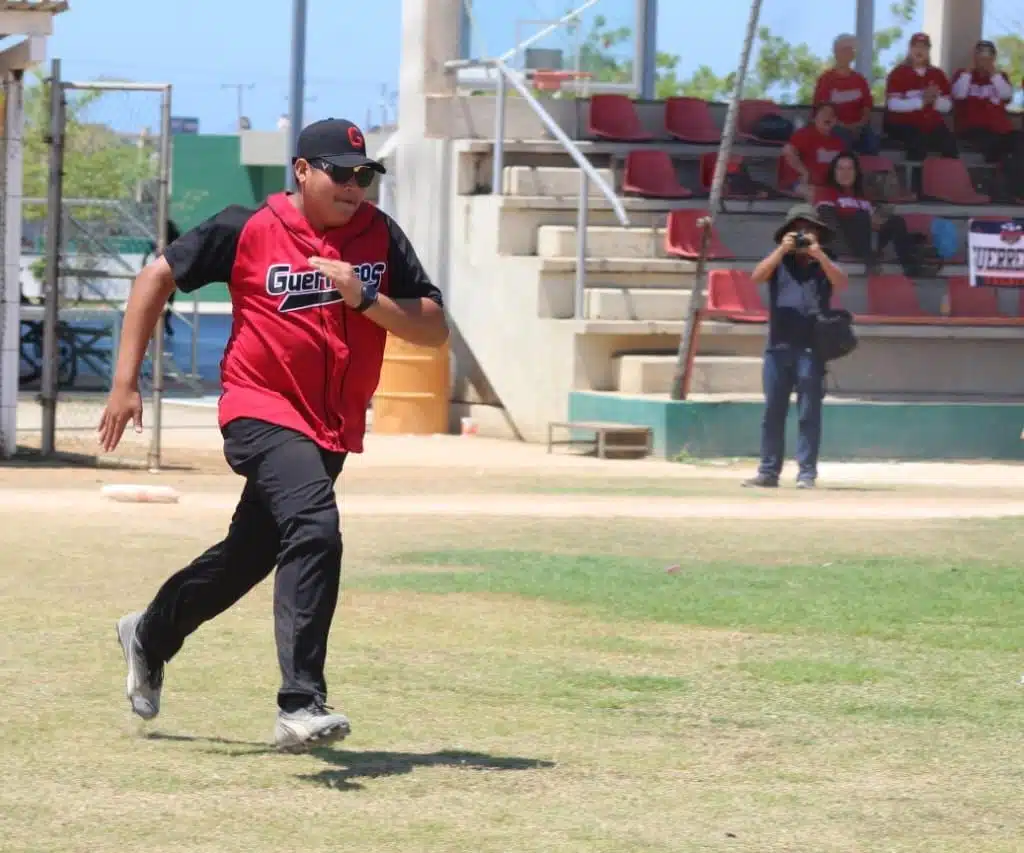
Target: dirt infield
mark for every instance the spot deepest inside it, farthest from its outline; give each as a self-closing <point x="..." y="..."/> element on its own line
<point x="820" y="506"/>
<point x="474" y="476"/>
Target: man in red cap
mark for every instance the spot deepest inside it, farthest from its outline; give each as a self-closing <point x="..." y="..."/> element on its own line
<point x="917" y="99"/>
<point x="317" y="280"/>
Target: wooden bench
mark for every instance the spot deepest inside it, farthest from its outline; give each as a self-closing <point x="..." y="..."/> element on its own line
<point x="606" y="436"/>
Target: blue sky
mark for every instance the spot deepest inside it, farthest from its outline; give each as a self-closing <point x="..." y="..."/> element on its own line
<point x="201" y="46"/>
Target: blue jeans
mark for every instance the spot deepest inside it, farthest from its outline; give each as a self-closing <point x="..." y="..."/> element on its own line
<point x="864" y="141"/>
<point x="787" y="369"/>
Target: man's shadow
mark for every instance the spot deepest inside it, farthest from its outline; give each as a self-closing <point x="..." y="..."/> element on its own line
<point x="350" y="765"/>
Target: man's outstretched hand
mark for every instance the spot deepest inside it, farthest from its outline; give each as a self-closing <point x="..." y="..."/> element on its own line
<point x="123" y="405"/>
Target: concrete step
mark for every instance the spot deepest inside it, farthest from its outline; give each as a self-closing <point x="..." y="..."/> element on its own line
<point x="628" y="303"/>
<point x="602" y="241"/>
<point x="553" y="181"/>
<point x="712" y="374"/>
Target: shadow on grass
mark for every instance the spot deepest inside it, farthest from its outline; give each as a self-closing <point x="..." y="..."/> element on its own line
<point x="373" y="765"/>
<point x="351" y="765"/>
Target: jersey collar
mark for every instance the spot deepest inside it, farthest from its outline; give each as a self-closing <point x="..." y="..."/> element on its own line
<point x="282" y="207"/>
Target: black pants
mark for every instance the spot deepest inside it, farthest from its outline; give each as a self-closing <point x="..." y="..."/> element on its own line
<point x="857" y="234"/>
<point x="918" y="144"/>
<point x="288" y="517"/>
<point x="994" y="147"/>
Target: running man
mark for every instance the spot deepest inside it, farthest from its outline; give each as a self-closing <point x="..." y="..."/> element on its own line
<point x="317" y="280"/>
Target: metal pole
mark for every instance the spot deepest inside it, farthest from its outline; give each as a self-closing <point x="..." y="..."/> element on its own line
<point x="865" y="38"/>
<point x="195" y="337"/>
<point x="582" y="217"/>
<point x="297" y="84"/>
<point x="647" y="48"/>
<point x="465" y="31"/>
<point x="48" y="395"/>
<point x="497" y="182"/>
<point x="162" y="211"/>
<point x="684" y="358"/>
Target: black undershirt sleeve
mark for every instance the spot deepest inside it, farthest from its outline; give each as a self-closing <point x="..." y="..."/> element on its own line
<point x="408" y="279"/>
<point x="206" y="254"/>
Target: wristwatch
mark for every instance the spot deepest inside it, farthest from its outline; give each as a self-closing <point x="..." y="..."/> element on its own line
<point x="371" y="292"/>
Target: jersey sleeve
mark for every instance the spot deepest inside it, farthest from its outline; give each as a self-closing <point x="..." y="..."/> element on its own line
<point x="206" y="254"/>
<point x="408" y="279"/>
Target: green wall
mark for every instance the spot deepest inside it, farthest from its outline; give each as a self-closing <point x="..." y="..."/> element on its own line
<point x="850" y="430"/>
<point x="207" y="176"/>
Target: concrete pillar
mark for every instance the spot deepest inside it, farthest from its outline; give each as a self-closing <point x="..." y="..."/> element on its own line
<point x="430" y="37"/>
<point x="433" y="32"/>
<point x="865" y="37"/>
<point x="954" y="27"/>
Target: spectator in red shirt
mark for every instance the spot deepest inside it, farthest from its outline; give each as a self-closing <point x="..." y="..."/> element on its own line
<point x="848" y="91"/>
<point x="981" y="93"/>
<point x="917" y="99"/>
<point x="811" y="149"/>
<point x="844" y="206"/>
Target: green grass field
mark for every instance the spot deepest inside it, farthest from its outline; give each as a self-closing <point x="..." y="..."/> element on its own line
<point x="531" y="685"/>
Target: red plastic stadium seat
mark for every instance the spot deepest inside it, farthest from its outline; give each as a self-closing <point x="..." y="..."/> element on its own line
<point x="707" y="174"/>
<point x="749" y="112"/>
<point x="683" y="236"/>
<point x="614" y="117"/>
<point x="733" y="296"/>
<point x="893" y="299"/>
<point x="947" y="179"/>
<point x="651" y="174"/>
<point x="689" y="119"/>
<point x="967" y="301"/>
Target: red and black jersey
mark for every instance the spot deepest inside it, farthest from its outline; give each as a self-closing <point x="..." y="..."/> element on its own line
<point x="297" y="356"/>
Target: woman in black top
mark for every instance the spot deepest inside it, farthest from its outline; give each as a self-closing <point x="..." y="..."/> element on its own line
<point x="800" y="277"/>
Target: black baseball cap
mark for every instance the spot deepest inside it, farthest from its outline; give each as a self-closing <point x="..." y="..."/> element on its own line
<point x="336" y="141"/>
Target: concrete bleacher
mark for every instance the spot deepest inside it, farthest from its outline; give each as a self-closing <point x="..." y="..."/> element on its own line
<point x="515" y="253"/>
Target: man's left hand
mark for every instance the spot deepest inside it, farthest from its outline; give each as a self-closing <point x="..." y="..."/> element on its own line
<point x="814" y="249"/>
<point x="343" y="277"/>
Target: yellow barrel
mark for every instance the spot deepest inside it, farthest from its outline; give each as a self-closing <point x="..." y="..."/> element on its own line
<point x="412" y="396"/>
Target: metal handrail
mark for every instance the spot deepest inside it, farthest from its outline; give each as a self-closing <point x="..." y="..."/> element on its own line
<point x="573" y="150"/>
<point x="588" y="173"/>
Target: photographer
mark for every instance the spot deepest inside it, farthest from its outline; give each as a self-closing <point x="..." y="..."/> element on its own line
<point x="800" y="278"/>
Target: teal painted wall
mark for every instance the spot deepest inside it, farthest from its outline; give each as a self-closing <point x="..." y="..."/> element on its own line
<point x="905" y="431"/>
<point x="207" y="176"/>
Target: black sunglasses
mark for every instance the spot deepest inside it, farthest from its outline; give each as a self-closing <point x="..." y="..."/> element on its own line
<point x="344" y="174"/>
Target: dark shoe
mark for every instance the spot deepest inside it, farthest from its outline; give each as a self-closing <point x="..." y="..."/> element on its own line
<point x="761" y="481"/>
<point x="805" y="483"/>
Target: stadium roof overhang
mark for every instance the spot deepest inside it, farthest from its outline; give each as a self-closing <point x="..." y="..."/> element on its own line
<point x="24" y="27"/>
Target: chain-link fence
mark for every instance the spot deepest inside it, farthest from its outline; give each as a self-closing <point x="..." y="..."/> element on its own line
<point x="95" y="211"/>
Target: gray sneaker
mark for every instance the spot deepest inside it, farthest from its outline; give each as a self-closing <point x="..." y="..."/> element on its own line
<point x="142" y="687"/>
<point x="314" y="725"/>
